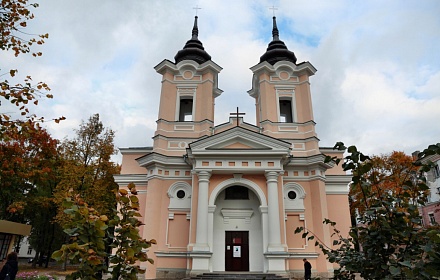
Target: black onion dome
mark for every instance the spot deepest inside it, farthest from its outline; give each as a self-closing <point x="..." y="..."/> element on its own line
<point x="193" y="49"/>
<point x="277" y="50"/>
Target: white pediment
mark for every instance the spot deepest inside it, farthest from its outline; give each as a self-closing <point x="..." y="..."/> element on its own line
<point x="239" y="139"/>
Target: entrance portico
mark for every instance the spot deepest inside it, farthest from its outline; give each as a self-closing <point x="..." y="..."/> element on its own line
<point x="260" y="214"/>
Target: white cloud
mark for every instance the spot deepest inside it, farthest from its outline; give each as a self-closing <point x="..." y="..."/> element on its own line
<point x="377" y="85"/>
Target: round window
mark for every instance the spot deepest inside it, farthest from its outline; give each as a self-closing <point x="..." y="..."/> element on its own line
<point x="180" y="194"/>
<point x="291" y="194"/>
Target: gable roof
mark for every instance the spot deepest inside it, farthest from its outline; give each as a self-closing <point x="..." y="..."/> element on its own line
<point x="239" y="141"/>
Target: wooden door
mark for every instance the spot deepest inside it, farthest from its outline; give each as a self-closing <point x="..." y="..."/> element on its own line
<point x="237" y="251"/>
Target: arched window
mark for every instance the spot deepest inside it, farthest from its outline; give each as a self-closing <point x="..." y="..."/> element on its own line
<point x="236" y="193"/>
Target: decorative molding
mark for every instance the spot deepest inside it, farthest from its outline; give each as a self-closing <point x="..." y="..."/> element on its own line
<point x="180" y="203"/>
<point x="182" y="127"/>
<point x="287" y="128"/>
<point x="238" y="176"/>
<point x="296" y="204"/>
<point x="337" y="184"/>
<point x="243" y="182"/>
<point x="172" y="254"/>
<point x="125" y="179"/>
<point x="245" y="214"/>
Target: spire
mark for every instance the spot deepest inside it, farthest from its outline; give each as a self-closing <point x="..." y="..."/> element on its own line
<point x="195" y="31"/>
<point x="275" y="33"/>
<point x="277" y="50"/>
<point x="193" y="49"/>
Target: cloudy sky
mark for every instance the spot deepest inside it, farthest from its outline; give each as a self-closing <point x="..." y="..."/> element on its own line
<point x="377" y="85"/>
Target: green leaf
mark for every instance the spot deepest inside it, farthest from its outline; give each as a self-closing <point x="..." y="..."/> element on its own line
<point x="394" y="270"/>
<point x="352" y="149"/>
<point x="57" y="255"/>
<point x="130" y="252"/>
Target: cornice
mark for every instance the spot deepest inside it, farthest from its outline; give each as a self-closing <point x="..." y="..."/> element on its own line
<point x="155" y="158"/>
<point x="191" y="122"/>
<point x="122" y="179"/>
<point x="310" y="122"/>
<point x="135" y="150"/>
<point x="239" y="132"/>
<point x="167" y="65"/>
<point x="301" y="68"/>
<point x="337" y="184"/>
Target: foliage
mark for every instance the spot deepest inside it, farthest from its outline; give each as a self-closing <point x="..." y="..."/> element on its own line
<point x="14" y="15"/>
<point x="87" y="229"/>
<point x="386" y="174"/>
<point x="90" y="215"/>
<point x="28" y="176"/>
<point x="87" y="167"/>
<point x="27" y="152"/>
<point x="128" y="246"/>
<point x="26" y="162"/>
<point x="394" y="244"/>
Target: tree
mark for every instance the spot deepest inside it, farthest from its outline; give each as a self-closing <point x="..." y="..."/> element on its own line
<point x="14" y="15"/>
<point x="26" y="162"/>
<point x="387" y="174"/>
<point x="392" y="240"/>
<point x="28" y="176"/>
<point x="128" y="246"/>
<point x="88" y="169"/>
<point x="87" y="230"/>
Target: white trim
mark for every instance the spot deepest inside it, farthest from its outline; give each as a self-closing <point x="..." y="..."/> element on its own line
<point x="228" y="214"/>
<point x="125" y="179"/>
<point x="240" y="182"/>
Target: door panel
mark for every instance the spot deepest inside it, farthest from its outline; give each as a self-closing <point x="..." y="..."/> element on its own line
<point x="237" y="251"/>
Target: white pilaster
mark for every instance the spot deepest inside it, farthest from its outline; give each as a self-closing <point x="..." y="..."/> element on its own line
<point x="273" y="212"/>
<point x="265" y="228"/>
<point x="202" y="213"/>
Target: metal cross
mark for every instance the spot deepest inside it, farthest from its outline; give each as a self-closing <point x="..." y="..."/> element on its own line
<point x="237" y="114"/>
<point x="197" y="8"/>
<point x="273" y="9"/>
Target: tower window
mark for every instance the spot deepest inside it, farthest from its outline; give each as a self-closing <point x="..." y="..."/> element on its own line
<point x="236" y="192"/>
<point x="185" y="112"/>
<point x="286" y="111"/>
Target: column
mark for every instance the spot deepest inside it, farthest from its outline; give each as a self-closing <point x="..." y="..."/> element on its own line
<point x="202" y="212"/>
<point x="273" y="212"/>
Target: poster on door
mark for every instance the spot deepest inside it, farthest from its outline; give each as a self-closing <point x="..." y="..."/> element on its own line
<point x="237" y="251"/>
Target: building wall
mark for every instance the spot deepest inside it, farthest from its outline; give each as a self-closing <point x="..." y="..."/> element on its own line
<point x="431" y="211"/>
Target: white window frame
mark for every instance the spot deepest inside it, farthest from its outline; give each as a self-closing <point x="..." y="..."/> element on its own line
<point x="186" y="92"/>
<point x="286" y="93"/>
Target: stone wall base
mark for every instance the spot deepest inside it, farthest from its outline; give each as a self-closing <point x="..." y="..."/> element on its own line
<point x="171" y="273"/>
<point x="317" y="275"/>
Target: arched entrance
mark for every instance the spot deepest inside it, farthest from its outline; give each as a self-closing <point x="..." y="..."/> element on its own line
<point x="236" y="224"/>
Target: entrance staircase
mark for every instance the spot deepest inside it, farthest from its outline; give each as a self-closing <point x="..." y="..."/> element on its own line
<point x="237" y="276"/>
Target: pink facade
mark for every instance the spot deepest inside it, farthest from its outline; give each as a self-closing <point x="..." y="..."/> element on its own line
<point x="229" y="197"/>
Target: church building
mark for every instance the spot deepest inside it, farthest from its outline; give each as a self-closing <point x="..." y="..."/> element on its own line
<point x="228" y="197"/>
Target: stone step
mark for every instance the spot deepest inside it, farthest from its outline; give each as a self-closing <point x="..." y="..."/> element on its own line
<point x="237" y="275"/>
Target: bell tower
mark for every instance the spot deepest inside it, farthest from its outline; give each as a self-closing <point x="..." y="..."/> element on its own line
<point x="189" y="89"/>
<point x="281" y="90"/>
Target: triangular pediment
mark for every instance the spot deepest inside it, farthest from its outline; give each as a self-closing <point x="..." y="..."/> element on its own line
<point x="238" y="145"/>
<point x="239" y="139"/>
